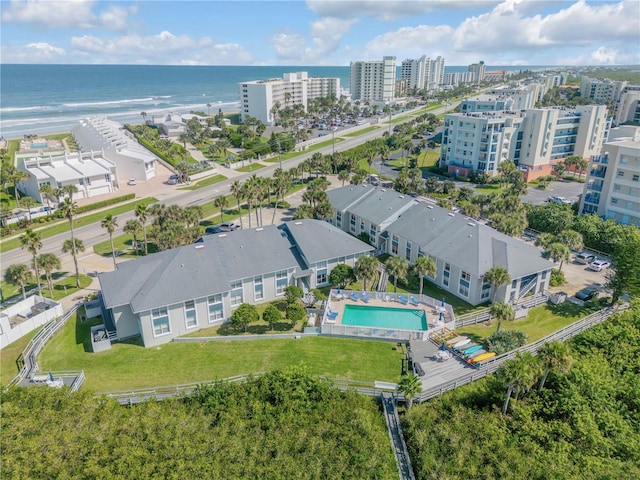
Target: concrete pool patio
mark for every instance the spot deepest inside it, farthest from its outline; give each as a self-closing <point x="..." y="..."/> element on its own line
<point x="338" y="299"/>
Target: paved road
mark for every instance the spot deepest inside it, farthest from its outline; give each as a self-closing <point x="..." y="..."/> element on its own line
<point x="94" y="233"/>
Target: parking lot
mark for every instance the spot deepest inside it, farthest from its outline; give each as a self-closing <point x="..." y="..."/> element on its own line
<point x="569" y="190"/>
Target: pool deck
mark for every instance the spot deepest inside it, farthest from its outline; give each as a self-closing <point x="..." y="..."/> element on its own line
<point x="338" y="302"/>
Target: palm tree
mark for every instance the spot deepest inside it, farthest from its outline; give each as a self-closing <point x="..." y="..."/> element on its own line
<point x="144" y="116"/>
<point x="519" y="374"/>
<point x="28" y="202"/>
<point x="343" y="176"/>
<point x="208" y="109"/>
<point x="366" y="269"/>
<point x="68" y="209"/>
<point x="32" y="242"/>
<point x="110" y="223"/>
<point x="303" y="211"/>
<point x="502" y="311"/>
<point x="280" y="189"/>
<point x="184" y="138"/>
<point x="554" y="356"/>
<point x="142" y="214"/>
<point x="221" y="202"/>
<point x="398" y="267"/>
<point x="558" y="252"/>
<point x="73" y="246"/>
<point x="410" y="386"/>
<point x="46" y="192"/>
<point x="16" y="178"/>
<point x="424" y="266"/>
<point x="70" y="190"/>
<point x="497" y="277"/>
<point x="48" y="262"/>
<point x="18" y="275"/>
<point x="237" y="191"/>
<point x="571" y="239"/>
<point x="134" y="228"/>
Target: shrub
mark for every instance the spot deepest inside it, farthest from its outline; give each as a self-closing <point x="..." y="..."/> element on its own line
<point x="504" y="341"/>
<point x="557" y="278"/>
<point x="296" y="313"/>
<point x="105" y="203"/>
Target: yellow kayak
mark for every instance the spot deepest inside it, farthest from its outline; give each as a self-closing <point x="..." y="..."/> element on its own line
<point x="483" y="357"/>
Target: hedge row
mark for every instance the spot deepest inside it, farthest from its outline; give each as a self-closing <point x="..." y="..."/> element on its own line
<point x="105" y="203"/>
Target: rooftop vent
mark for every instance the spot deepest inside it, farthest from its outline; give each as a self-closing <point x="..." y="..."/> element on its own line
<point x="222" y="235"/>
<point x="401" y="196"/>
<point x="297" y="223"/>
<point x="451" y="214"/>
<point x="382" y="190"/>
<point x="430" y="206"/>
<point x="259" y="229"/>
<point x="199" y="246"/>
<point x="471" y="224"/>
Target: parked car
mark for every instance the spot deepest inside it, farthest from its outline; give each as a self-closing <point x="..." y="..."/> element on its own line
<point x="585" y="258"/>
<point x="173" y="180"/>
<point x="599" y="265"/>
<point x="213" y="230"/>
<point x="559" y="200"/>
<point x="586" y="294"/>
<point x="229" y="226"/>
<point x="132" y="182"/>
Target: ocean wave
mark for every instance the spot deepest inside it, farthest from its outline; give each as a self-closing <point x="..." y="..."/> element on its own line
<point x="24" y="109"/>
<point x="112" y="102"/>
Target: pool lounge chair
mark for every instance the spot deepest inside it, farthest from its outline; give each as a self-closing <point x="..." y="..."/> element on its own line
<point x="354" y="297"/>
<point x="414" y="301"/>
<point x="402" y="300"/>
<point x="332" y="315"/>
<point x="365" y="297"/>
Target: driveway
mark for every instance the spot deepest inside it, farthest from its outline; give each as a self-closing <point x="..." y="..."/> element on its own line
<point x="570" y="190"/>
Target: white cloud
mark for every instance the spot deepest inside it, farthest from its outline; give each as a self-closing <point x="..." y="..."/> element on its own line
<point x="39" y="52"/>
<point x="603" y="56"/>
<point x="288" y="47"/>
<point x="163" y="48"/>
<point x="411" y="41"/>
<point x="327" y="35"/>
<point x="66" y="14"/>
<point x="390" y="10"/>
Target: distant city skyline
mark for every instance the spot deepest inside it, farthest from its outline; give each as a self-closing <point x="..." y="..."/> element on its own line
<point x="331" y="32"/>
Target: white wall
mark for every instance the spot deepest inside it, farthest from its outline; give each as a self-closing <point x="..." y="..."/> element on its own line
<point x="9" y="335"/>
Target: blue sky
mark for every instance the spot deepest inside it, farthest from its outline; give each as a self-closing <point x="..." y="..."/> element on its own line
<point x="330" y="32"/>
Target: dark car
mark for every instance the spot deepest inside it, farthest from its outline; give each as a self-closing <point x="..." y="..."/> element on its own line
<point x="213" y="230"/>
<point x="586" y="294"/>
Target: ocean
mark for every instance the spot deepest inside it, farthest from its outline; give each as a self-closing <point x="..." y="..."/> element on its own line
<point x="40" y="99"/>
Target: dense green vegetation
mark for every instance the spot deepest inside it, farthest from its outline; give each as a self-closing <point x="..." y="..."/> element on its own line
<point x="283" y="425"/>
<point x="582" y="425"/>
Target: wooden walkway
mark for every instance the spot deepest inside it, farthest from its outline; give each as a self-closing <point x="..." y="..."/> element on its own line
<point x="405" y="470"/>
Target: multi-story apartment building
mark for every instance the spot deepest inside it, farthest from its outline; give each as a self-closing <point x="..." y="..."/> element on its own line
<point x="534" y="138"/>
<point x="478" y="69"/>
<point x="601" y="90"/>
<point x="456" y="78"/>
<point x="434" y="77"/>
<point x="258" y="97"/>
<point x="374" y="80"/>
<point x="503" y="98"/>
<point x="423" y="73"/>
<point x="627" y="107"/>
<point x="612" y="189"/>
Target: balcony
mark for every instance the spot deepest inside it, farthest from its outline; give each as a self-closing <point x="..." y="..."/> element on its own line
<point x="598" y="172"/>
<point x="592" y="199"/>
<point x="594" y="187"/>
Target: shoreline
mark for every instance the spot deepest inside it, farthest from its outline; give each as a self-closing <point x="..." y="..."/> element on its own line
<point x="47" y="131"/>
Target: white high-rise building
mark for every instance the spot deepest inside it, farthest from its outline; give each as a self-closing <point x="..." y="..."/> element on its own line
<point x="415" y="72"/>
<point x="258" y="97"/>
<point x="435" y="74"/>
<point x="535" y="139"/>
<point x="478" y="69"/>
<point x="374" y="80"/>
<point x="612" y="189"/>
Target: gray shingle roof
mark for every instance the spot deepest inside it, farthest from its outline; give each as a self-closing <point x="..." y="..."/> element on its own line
<point x="202" y="269"/>
<point x="473" y="247"/>
<point x="322" y="241"/>
<point x="376" y="204"/>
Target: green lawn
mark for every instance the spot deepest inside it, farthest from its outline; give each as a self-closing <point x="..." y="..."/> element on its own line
<point x="460" y="307"/>
<point x="205" y="182"/>
<point x="362" y="132"/>
<point x="252" y="167"/>
<point x="63" y="225"/>
<point x="428" y="158"/>
<point x="363" y="165"/>
<point x="128" y="365"/>
<point x="315" y="146"/>
<point x="60" y="280"/>
<point x="493" y="189"/>
<point x="10" y="353"/>
<point x="541" y="321"/>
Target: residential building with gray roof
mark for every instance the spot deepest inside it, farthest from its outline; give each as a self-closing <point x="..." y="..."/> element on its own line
<point x="463" y="249"/>
<point x="178" y="291"/>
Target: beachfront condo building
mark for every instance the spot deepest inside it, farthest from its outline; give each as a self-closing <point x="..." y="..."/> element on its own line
<point x="478" y="70"/>
<point x="535" y="139"/>
<point x="262" y="99"/>
<point x="601" y="90"/>
<point x="374" y="80"/>
<point x="502" y="98"/>
<point x="612" y="189"/>
<point x="423" y="73"/>
<point x="627" y="108"/>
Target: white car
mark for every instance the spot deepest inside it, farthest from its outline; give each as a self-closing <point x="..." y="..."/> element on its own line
<point x="132" y="182"/>
<point x="599" y="265"/>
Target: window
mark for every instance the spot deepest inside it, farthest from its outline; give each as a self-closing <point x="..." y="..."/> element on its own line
<point x="465" y="279"/>
<point x="338" y="219"/>
<point x="258" y="290"/>
<point x="620" y="173"/>
<point x="362" y="227"/>
<point x="353" y="224"/>
<point x="160" y="321"/>
<point x="107" y="177"/>
<point x="446" y="274"/>
<point x="236" y="293"/>
<point x="614" y="200"/>
<point x="635" y="178"/>
<point x="281" y="282"/>
<point x="321" y="273"/>
<point x="372" y="234"/>
<point x="216" y="311"/>
<point x="486" y="291"/>
<point x="407" y="252"/>
<point x="191" y="319"/>
<point x="394" y="245"/>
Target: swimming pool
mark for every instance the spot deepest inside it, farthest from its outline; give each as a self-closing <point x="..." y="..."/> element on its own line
<point x="384" y="317"/>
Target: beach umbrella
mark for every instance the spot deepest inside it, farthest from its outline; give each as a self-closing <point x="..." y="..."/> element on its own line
<point x="443" y="302"/>
<point x="443" y="347"/>
<point x="440" y="317"/>
<point x="338" y="290"/>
